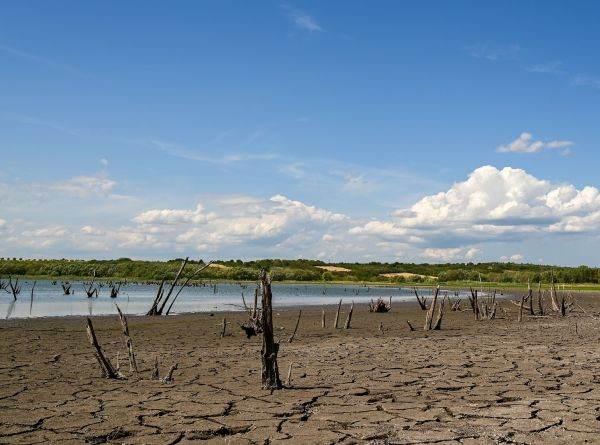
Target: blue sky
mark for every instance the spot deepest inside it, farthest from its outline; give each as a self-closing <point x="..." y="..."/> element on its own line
<point x="302" y="129"/>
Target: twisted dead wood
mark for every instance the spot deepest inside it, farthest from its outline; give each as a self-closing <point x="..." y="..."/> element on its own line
<point x="105" y="366"/>
<point x="270" y="370"/>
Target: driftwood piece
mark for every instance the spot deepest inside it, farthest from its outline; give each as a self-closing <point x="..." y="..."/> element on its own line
<point x="159" y="294"/>
<point x="90" y="289"/>
<point x="270" y="370"/>
<point x="349" y="317"/>
<point x="129" y="342"/>
<point x="115" y="289"/>
<point x="155" y="371"/>
<point x="422" y="301"/>
<point x="105" y="366"/>
<point x="455" y="303"/>
<point x="250" y="328"/>
<point x="31" y="298"/>
<point x="530" y="299"/>
<point x="223" y="328"/>
<point x="255" y="306"/>
<point x="172" y="287"/>
<point x="380" y="306"/>
<point x="474" y="301"/>
<point x="291" y="339"/>
<point x="15" y="289"/>
<point x="337" y="315"/>
<point x="288" y="383"/>
<point x="169" y="377"/>
<point x="540" y="299"/>
<point x="66" y="287"/>
<point x="553" y="297"/>
<point x="185" y="284"/>
<point x="438" y="323"/>
<point x="520" y="316"/>
<point x="430" y="312"/>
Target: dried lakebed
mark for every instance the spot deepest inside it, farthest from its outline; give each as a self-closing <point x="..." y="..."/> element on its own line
<point x="495" y="381"/>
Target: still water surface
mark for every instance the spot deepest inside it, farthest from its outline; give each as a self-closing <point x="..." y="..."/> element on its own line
<point x="49" y="299"/>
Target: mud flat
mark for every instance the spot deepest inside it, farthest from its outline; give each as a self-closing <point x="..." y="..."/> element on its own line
<point x="537" y="381"/>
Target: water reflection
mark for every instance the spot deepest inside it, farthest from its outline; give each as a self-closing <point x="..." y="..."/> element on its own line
<point x="11" y="308"/>
<point x="49" y="298"/>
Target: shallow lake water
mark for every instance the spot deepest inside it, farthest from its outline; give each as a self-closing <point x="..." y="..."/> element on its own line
<point x="49" y="299"/>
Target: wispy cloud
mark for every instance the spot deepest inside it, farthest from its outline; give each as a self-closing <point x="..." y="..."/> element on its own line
<point x="525" y="143"/>
<point x="547" y="68"/>
<point x="301" y="19"/>
<point x="493" y="53"/>
<point x="585" y="80"/>
<point x="208" y="157"/>
<point x="34" y="58"/>
<point x="29" y="120"/>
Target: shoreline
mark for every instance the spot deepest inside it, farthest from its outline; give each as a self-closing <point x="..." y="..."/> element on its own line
<point x="285" y="308"/>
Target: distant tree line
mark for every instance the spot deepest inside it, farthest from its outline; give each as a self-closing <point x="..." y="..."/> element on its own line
<point x="302" y="270"/>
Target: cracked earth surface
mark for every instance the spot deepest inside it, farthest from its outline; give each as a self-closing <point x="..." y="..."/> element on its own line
<point x="473" y="382"/>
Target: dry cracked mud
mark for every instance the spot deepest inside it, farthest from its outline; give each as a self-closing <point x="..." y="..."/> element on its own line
<point x="472" y="382"/>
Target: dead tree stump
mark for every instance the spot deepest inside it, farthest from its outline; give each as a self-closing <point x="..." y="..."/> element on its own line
<point x="429" y="316"/>
<point x="422" y="301"/>
<point x="270" y="370"/>
<point x="105" y="366"/>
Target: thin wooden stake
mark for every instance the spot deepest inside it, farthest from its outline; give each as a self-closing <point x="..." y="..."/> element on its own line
<point x="291" y="339"/>
<point x="349" y="317"/>
<point x="125" y="327"/>
<point x="323" y="317"/>
<point x="337" y="315"/>
<point x="155" y="372"/>
<point x="31" y="299"/>
<point x="289" y="375"/>
<point x="255" y="307"/>
<point x="223" y="327"/>
<point x="520" y="318"/>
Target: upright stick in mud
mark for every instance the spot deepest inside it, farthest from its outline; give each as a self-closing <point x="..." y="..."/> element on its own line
<point x="337" y="315"/>
<point x="270" y="370"/>
<point x="291" y="339"/>
<point x="106" y="367"/>
<point x="429" y="317"/>
<point x="520" y="317"/>
<point x="349" y="317"/>
<point x="540" y="299"/>
<point x="125" y="327"/>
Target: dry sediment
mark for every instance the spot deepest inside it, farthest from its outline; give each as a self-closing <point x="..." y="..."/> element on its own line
<point x="489" y="381"/>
